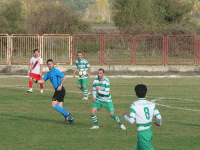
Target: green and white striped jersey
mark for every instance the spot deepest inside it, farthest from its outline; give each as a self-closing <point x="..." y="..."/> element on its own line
<point x="82" y="65"/>
<point x="104" y="90"/>
<point x="142" y="111"/>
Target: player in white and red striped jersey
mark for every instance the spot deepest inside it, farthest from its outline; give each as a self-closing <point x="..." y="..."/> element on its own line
<point x="35" y="68"/>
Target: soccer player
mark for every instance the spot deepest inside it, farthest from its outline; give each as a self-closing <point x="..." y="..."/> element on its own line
<point x="36" y="63"/>
<point x="54" y="75"/>
<point x="142" y="112"/>
<point x="101" y="85"/>
<point x="82" y="64"/>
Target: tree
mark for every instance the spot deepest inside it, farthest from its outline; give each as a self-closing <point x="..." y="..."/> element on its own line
<point x="149" y="13"/>
<point x="10" y="15"/>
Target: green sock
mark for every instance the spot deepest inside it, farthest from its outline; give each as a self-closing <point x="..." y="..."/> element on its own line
<point x="94" y="118"/>
<point x="116" y="119"/>
<point x="81" y="88"/>
<point x="85" y="91"/>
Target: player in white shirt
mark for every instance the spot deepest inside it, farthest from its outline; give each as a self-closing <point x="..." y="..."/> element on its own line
<point x="142" y="112"/>
<point x="35" y="70"/>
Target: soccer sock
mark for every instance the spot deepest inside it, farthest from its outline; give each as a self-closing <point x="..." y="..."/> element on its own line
<point x="94" y="118"/>
<point x="116" y="119"/>
<point x="61" y="110"/>
<point x="41" y="86"/>
<point x="81" y="88"/>
<point x="85" y="91"/>
<point x="31" y="84"/>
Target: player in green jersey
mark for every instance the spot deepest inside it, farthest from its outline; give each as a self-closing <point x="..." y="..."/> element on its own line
<point x="82" y="65"/>
<point x="101" y="85"/>
<point x="142" y="112"/>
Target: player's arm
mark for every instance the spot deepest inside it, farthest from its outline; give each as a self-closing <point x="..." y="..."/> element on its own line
<point x="38" y="81"/>
<point x="74" y="72"/>
<point x="107" y="89"/>
<point x="89" y="70"/>
<point x="29" y="69"/>
<point x="45" y="78"/>
<point x="41" y="67"/>
<point x="130" y="119"/>
<point x="156" y="113"/>
<point x="63" y="81"/>
<point x="61" y="75"/>
<point x="94" y="92"/>
<point x="75" y="69"/>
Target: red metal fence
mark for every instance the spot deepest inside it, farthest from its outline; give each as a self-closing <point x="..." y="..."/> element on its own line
<point x="120" y="49"/>
<point x="90" y="46"/>
<point x="4" y="49"/>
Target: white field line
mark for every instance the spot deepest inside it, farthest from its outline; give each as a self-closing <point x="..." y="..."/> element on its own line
<point x="114" y="76"/>
<point x="160" y="99"/>
<point x="154" y="100"/>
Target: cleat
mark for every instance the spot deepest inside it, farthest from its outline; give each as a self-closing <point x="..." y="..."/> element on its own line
<point x="88" y="94"/>
<point x="85" y="98"/>
<point x="70" y="121"/>
<point x="67" y="118"/>
<point x="41" y="91"/>
<point x="123" y="127"/>
<point x="95" y="127"/>
<point x="30" y="91"/>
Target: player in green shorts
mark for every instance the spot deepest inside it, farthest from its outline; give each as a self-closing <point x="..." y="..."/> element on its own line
<point x="142" y="112"/>
<point x="83" y="65"/>
<point x="101" y="85"/>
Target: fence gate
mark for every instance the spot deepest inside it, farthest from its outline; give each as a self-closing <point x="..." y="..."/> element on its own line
<point x="89" y="45"/>
<point x="149" y="50"/>
<point x="56" y="47"/>
<point x="4" y="49"/>
<point x="117" y="49"/>
<point x="181" y="50"/>
<point x="22" y="47"/>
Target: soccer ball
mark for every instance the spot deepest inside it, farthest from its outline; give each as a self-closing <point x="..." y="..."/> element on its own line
<point x="82" y="73"/>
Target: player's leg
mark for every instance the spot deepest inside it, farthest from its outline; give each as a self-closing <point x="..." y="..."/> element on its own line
<point x="94" y="117"/>
<point x="110" y="107"/>
<point x="85" y="90"/>
<point x="80" y="85"/>
<point x="57" y="103"/>
<point x="32" y="76"/>
<point x="68" y="118"/>
<point x="38" y="77"/>
<point x="144" y="140"/>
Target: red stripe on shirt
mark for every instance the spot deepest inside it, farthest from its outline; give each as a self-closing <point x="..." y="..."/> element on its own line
<point x="35" y="64"/>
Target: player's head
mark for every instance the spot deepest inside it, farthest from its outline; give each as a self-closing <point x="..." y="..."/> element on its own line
<point x="101" y="73"/>
<point x="79" y="55"/>
<point x="50" y="64"/>
<point x="141" y="90"/>
<point x="36" y="52"/>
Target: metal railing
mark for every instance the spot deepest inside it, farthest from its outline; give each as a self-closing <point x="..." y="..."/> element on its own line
<point x="120" y="49"/>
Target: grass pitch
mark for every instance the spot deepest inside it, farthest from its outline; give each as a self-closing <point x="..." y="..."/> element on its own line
<point x="29" y="122"/>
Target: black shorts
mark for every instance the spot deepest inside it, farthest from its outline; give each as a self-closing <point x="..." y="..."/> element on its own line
<point x="59" y="95"/>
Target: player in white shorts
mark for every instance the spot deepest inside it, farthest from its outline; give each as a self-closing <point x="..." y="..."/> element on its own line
<point x="142" y="112"/>
<point x="35" y="68"/>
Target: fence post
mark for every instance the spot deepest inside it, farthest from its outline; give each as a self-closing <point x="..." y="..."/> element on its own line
<point x="101" y="50"/>
<point x="8" y="49"/>
<point x="71" y="50"/>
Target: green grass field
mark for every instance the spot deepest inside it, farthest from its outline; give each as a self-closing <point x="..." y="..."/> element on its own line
<point x="29" y="122"/>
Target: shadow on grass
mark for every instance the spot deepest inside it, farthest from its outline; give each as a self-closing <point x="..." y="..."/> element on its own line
<point x="14" y="117"/>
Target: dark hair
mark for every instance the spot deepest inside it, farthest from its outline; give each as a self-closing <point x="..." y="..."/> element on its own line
<point x="49" y="60"/>
<point x="101" y="69"/>
<point x="141" y="90"/>
<point x="35" y="50"/>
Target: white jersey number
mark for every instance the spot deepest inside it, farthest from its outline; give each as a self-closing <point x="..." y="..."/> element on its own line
<point x="146" y="111"/>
